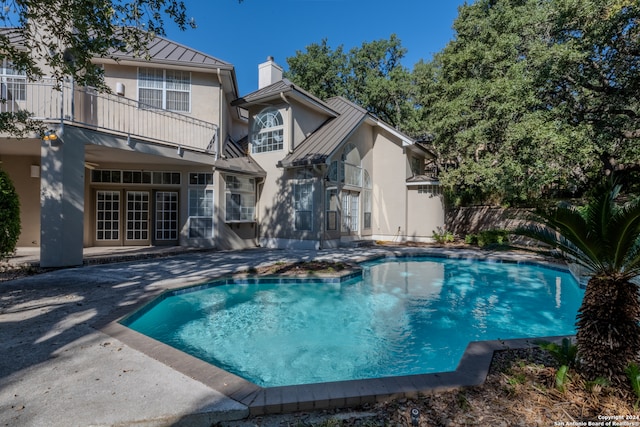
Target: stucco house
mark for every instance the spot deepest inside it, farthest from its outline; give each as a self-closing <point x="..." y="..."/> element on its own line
<point x="335" y="173"/>
<point x="174" y="156"/>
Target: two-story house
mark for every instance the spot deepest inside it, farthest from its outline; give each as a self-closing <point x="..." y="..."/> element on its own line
<point x="335" y="173"/>
<point x="173" y="156"/>
<point x="152" y="163"/>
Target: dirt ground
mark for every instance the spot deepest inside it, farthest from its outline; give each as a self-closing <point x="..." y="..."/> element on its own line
<point x="520" y="391"/>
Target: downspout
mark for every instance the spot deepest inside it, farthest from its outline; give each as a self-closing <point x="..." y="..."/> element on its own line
<point x="258" y="190"/>
<point x="322" y="235"/>
<point x="289" y="114"/>
<point x="217" y="136"/>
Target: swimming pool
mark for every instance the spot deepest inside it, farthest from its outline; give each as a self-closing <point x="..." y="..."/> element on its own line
<point x="400" y="317"/>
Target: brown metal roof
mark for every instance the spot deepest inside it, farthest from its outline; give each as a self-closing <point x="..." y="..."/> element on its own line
<point x="236" y="159"/>
<point x="159" y="49"/>
<point x="13" y="35"/>
<point x="167" y="51"/>
<point x="323" y="142"/>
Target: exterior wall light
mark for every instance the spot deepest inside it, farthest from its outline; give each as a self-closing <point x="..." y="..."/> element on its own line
<point x="54" y="137"/>
<point x="50" y="136"/>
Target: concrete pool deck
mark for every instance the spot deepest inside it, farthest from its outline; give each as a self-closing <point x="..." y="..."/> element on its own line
<point x="66" y="362"/>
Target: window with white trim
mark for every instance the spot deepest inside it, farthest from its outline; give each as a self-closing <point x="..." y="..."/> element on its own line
<point x="240" y="199"/>
<point x="435" y="190"/>
<point x="14" y="82"/>
<point x="366" y="202"/>
<point x="267" y="133"/>
<point x="333" y="206"/>
<point x="200" y="205"/>
<point x="135" y="177"/>
<point x="350" y="210"/>
<point x="165" y="89"/>
<point x="351" y="161"/>
<point x="303" y="205"/>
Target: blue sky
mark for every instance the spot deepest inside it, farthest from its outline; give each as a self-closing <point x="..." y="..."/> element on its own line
<point x="244" y="34"/>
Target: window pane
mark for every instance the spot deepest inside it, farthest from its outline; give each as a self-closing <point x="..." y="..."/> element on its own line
<point x="267" y="132"/>
<point x="303" y="220"/>
<point x="150" y="78"/>
<point x="178" y="80"/>
<point x="177" y="101"/>
<point x="200" y="212"/>
<point x="16" y="89"/>
<point x="303" y="205"/>
<point x="150" y="97"/>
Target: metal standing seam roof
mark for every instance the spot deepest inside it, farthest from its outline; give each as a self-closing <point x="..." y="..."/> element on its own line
<point x="164" y="50"/>
<point x="323" y="142"/>
<point x="236" y="159"/>
<point x="13" y="35"/>
<point x="272" y="90"/>
<point x="159" y="49"/>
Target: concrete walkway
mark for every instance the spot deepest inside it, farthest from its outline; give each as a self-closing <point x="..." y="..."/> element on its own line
<point x="58" y="369"/>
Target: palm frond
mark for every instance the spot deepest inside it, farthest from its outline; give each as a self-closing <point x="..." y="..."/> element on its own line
<point x="624" y="229"/>
<point x="632" y="262"/>
<point x="605" y="238"/>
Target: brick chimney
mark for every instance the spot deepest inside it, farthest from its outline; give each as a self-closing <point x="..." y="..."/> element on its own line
<point x="268" y="72"/>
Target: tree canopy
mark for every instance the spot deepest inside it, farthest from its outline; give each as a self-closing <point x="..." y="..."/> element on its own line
<point x="370" y="75"/>
<point x="533" y="96"/>
<point x="61" y="37"/>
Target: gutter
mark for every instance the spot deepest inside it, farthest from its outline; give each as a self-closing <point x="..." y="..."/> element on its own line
<point x="218" y="136"/>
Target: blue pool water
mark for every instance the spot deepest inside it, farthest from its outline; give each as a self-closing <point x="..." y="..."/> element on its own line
<point x="402" y="317"/>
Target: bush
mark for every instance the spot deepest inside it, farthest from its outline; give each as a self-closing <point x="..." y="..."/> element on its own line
<point x="442" y="236"/>
<point x="9" y="216"/>
<point x="488" y="237"/>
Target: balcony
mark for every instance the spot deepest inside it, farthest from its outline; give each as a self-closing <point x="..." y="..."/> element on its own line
<point x="109" y="113"/>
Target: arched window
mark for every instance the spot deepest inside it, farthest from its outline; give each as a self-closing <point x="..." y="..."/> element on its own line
<point x="267" y="132"/>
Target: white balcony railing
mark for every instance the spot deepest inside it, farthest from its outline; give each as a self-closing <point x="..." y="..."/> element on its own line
<point x="85" y="107"/>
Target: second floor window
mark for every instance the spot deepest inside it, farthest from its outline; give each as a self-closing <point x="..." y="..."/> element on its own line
<point x="268" y="131"/>
<point x="14" y="83"/>
<point x="166" y="89"/>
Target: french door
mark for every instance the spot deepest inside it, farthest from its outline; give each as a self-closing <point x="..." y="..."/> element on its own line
<point x="137" y="214"/>
<point x="350" y="211"/>
<point x="166" y="216"/>
<point x="121" y="222"/>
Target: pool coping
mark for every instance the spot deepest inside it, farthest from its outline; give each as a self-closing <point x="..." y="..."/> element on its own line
<point x="472" y="369"/>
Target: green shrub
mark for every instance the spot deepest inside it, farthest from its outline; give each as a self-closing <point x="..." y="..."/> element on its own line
<point x="487" y="238"/>
<point x="565" y="354"/>
<point x="442" y="236"/>
<point x="633" y="373"/>
<point x="9" y="216"/>
<point x="493" y="237"/>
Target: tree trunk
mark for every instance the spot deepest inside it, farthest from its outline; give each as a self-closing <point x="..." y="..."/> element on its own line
<point x="608" y="334"/>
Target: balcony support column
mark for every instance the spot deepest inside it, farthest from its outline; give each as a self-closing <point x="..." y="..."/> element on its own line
<point x="61" y="202"/>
